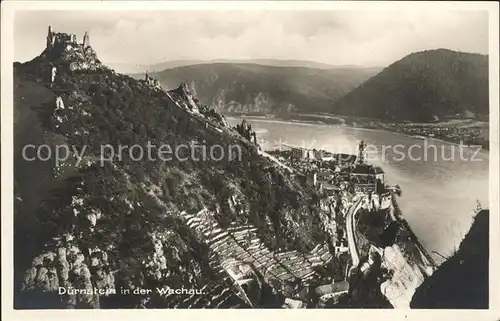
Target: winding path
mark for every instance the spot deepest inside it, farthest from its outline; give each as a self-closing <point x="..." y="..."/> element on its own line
<point x="350" y="227"/>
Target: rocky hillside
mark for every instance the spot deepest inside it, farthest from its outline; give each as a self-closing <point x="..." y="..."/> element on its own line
<point x="127" y="224"/>
<point x="255" y="88"/>
<point x="423" y="86"/>
<point x="462" y="281"/>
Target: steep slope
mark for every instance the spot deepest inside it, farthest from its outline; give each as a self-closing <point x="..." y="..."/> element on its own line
<point x="92" y="223"/>
<point x="254" y="88"/>
<point x="423" y="86"/>
<point x="462" y="281"/>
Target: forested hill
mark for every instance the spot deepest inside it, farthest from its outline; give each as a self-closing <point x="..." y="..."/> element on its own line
<point x="255" y="88"/>
<point x="423" y="86"/>
<point x="122" y="224"/>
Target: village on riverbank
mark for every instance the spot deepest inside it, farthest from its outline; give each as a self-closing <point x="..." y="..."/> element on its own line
<point x="375" y="253"/>
<point x="464" y="131"/>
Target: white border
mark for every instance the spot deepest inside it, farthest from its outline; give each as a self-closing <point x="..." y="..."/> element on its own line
<point x="8" y="9"/>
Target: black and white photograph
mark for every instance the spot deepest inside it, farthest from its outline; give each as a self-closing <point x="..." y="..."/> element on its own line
<point x="253" y="157"/>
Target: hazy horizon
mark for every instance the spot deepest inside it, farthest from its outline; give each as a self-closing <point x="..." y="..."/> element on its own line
<point x="244" y="60"/>
<point x="339" y="38"/>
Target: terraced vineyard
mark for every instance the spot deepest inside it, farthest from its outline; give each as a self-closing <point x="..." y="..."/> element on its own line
<point x="241" y="243"/>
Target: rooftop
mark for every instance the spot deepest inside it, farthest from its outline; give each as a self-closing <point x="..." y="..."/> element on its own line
<point x="365" y="169"/>
<point x="332" y="288"/>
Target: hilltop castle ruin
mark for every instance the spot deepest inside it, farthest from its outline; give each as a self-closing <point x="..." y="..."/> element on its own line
<point x="56" y="39"/>
<point x="64" y="48"/>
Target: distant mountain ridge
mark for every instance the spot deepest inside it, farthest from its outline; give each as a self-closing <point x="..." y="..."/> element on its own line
<point x="423" y="86"/>
<point x="129" y="68"/>
<point x="257" y="88"/>
<point x="139" y="68"/>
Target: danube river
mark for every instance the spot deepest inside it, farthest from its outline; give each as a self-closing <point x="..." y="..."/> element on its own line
<point x="440" y="183"/>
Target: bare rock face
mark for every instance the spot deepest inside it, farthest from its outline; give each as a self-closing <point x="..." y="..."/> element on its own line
<point x="184" y="88"/>
<point x="67" y="269"/>
<point x="406" y="279"/>
<point x="185" y="97"/>
<point x="63" y="266"/>
<point x="83" y="59"/>
<point x="53" y="279"/>
<point x="29" y="279"/>
<point x="42" y="274"/>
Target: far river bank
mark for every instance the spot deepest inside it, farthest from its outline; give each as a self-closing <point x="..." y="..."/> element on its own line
<point x="334" y="121"/>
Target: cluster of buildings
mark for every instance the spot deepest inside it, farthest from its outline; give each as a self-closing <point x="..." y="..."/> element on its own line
<point x="337" y="177"/>
<point x="465" y="134"/>
<point x="331" y="173"/>
<point x="311" y="154"/>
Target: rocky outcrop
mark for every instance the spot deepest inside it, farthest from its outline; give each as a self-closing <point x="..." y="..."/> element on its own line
<point x="405" y="278"/>
<point x="74" y="276"/>
<point x="85" y="59"/>
<point x="184" y="96"/>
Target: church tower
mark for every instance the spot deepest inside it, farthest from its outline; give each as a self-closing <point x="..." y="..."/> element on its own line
<point x="86" y="40"/>
<point x="361" y="152"/>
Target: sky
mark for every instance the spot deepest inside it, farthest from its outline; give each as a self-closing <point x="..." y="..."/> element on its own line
<point x="365" y="38"/>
